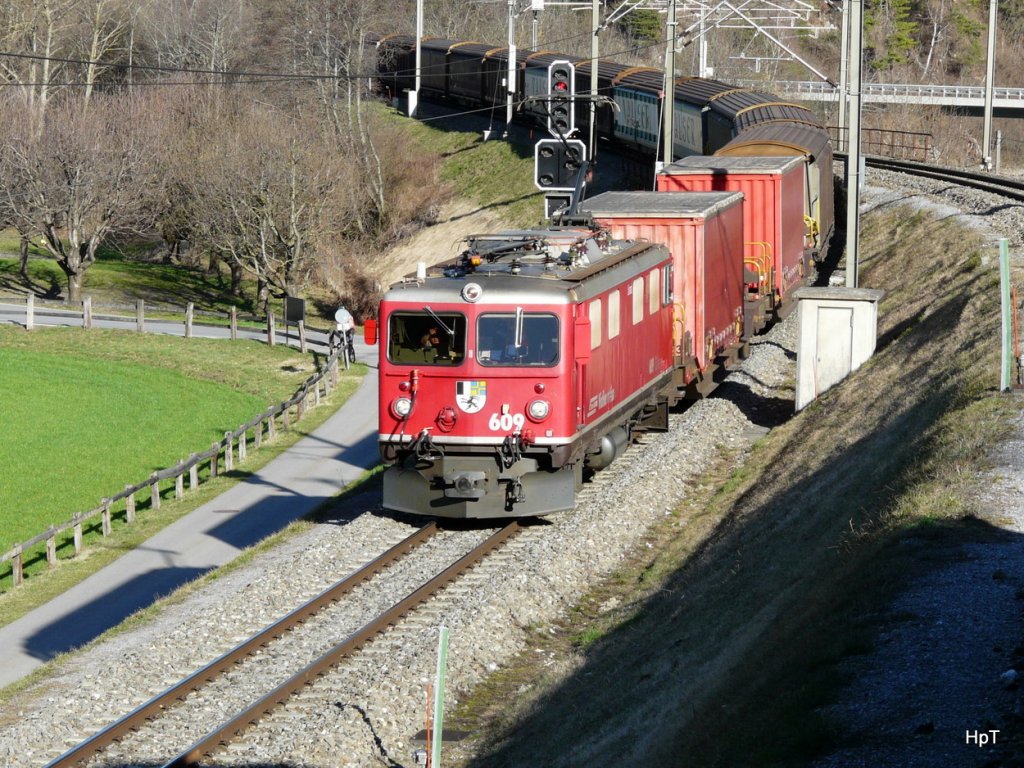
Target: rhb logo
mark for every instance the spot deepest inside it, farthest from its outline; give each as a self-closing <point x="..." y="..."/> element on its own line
<point x="470" y="396"/>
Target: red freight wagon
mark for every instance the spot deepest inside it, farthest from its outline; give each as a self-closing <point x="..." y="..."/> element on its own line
<point x="773" y="220"/>
<point x="505" y="372"/>
<point x="703" y="232"/>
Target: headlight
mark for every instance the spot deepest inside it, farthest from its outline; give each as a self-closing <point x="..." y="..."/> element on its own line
<point x="538" y="410"/>
<point x="401" y="407"/>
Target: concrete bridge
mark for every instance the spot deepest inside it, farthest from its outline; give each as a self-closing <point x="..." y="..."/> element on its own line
<point x="1006" y="102"/>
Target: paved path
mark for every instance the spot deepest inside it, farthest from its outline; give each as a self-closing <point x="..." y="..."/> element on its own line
<point x="287" y="488"/>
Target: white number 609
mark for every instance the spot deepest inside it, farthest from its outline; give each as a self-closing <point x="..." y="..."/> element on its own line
<point x="505" y="421"/>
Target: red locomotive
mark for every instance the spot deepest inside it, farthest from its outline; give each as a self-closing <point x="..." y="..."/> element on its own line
<point x="505" y="372"/>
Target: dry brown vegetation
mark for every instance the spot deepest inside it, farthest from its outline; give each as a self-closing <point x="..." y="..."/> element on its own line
<point x="730" y="637"/>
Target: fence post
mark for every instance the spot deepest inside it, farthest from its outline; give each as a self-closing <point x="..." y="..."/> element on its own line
<point x="30" y="312"/>
<point x="316" y="394"/>
<point x="234" y="324"/>
<point x="106" y="518"/>
<point x="87" y="312"/>
<point x="188" y="319"/>
<point x="140" y="315"/>
<point x="193" y="473"/>
<point x="286" y="417"/>
<point x="179" y="485"/>
<point x="242" y="450"/>
<point x="270" y="328"/>
<point x="258" y="437"/>
<point x="51" y="548"/>
<point x="271" y="425"/>
<point x="214" y="459"/>
<point x="154" y="492"/>
<point x="78" y="533"/>
<point x="302" y="337"/>
<point x="17" y="567"/>
<point x="229" y="452"/>
<point x="129" y="506"/>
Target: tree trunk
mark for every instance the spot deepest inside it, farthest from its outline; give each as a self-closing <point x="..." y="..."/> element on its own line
<point x="23" y="257"/>
<point x="263" y="295"/>
<point x="74" y="287"/>
<point x="236" y="277"/>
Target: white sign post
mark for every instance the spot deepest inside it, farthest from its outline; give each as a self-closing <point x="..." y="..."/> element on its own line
<point x="442" y="665"/>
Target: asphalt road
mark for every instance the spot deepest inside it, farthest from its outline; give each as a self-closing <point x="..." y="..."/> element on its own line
<point x="287" y="488"/>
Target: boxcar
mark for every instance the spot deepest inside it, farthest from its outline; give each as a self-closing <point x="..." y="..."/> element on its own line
<point x="704" y="234"/>
<point x="811" y="142"/>
<point x="773" y="222"/>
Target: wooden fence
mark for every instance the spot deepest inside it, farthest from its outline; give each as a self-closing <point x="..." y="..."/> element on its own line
<point x="87" y="314"/>
<point x="220" y="457"/>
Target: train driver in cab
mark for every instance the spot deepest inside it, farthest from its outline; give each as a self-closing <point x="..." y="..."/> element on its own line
<point x="436" y="341"/>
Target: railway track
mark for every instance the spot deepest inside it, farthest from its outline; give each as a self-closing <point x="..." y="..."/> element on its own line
<point x="985" y="182"/>
<point x="181" y="695"/>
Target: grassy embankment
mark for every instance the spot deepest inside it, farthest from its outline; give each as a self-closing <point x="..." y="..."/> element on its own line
<point x="731" y="637"/>
<point x="493" y="175"/>
<point x="91" y="411"/>
<point x="119" y="279"/>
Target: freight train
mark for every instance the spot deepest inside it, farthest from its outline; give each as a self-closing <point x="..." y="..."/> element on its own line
<point x="710" y="117"/>
<point x="535" y="356"/>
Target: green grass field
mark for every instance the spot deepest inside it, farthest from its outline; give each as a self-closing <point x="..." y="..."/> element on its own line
<point x="88" y="412"/>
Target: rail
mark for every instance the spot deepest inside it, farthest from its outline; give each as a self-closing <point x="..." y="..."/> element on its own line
<point x="225" y="662"/>
<point x="235" y="727"/>
<point x="220" y="454"/>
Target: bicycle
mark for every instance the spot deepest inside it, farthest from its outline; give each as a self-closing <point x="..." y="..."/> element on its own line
<point x="345" y="350"/>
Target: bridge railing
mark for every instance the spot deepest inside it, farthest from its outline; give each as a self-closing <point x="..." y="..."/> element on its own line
<point x="818" y="90"/>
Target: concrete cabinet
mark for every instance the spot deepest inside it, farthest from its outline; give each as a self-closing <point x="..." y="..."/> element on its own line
<point x="838" y="328"/>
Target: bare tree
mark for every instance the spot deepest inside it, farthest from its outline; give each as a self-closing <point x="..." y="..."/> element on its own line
<point x="102" y="28"/>
<point x="88" y="176"/>
<point x="263" y="180"/>
<point x="210" y="35"/>
<point x="34" y="35"/>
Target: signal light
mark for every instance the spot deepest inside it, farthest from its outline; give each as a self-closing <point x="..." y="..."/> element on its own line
<point x="557" y="163"/>
<point x="561" y="105"/>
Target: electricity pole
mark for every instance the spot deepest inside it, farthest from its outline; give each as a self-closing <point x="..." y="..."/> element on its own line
<point x="990" y="68"/>
<point x="853" y="173"/>
<point x="670" y="80"/>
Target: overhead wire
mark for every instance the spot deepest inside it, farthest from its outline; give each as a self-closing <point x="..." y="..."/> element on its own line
<point x="256" y="77"/>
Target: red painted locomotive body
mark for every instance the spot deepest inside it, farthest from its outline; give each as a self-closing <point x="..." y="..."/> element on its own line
<point x="503" y="373"/>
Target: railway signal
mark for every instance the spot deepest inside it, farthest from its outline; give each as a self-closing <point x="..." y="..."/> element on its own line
<point x="557" y="162"/>
<point x="562" y="91"/>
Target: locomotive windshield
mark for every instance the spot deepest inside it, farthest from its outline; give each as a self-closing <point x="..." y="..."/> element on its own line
<point x="517" y="339"/>
<point x="418" y="338"/>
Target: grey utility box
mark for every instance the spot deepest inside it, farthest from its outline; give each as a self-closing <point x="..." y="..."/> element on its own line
<point x="838" y="328"/>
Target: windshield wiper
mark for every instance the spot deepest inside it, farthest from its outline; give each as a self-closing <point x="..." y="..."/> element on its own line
<point x="441" y="323"/>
